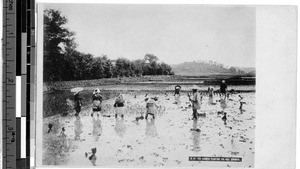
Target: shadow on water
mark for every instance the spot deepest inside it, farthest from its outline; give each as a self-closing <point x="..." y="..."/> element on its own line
<point x="78" y="128"/>
<point x="97" y="128"/>
<point x="151" y="130"/>
<point x="195" y="136"/>
<point x="223" y="104"/>
<point x="177" y="99"/>
<point x="120" y="127"/>
<point x="55" y="148"/>
<point x="211" y="101"/>
<point x="92" y="156"/>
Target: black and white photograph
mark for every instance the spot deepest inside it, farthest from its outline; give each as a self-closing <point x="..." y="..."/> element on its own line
<point x="146" y="86"/>
<point x="150" y="84"/>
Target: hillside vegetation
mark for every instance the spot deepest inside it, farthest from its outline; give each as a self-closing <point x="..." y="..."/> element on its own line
<point x="202" y="68"/>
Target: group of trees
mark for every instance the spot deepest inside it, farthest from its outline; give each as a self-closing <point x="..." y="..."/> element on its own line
<point x="123" y="67"/>
<point x="211" y="63"/>
<point x="236" y="71"/>
<point x="63" y="62"/>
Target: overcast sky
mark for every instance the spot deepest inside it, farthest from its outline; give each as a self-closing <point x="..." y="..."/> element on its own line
<point x="174" y="33"/>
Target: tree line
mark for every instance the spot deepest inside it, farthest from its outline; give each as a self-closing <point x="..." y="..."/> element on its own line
<point x="62" y="62"/>
<point x="236" y="71"/>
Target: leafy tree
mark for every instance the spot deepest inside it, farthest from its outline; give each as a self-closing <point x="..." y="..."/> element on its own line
<point x="80" y="65"/>
<point x="153" y="68"/>
<point x="232" y="69"/>
<point x="63" y="62"/>
<point x="98" y="68"/>
<point x="123" y="67"/>
<point x="150" y="58"/>
<point x="166" y="69"/>
<point x="138" y="67"/>
<point x="146" y="69"/>
<point x="108" y="69"/>
<point x="56" y="39"/>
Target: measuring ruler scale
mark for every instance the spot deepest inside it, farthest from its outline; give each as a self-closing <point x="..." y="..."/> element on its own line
<point x="9" y="85"/>
<point x="18" y="59"/>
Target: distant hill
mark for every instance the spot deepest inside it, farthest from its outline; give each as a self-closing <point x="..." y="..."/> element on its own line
<point x="246" y="69"/>
<point x="252" y="73"/>
<point x="201" y="68"/>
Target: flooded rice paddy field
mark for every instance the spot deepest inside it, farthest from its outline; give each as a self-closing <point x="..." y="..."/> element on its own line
<point x="168" y="87"/>
<point x="166" y="141"/>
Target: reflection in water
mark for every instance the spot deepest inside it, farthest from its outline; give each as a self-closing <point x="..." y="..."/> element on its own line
<point x="93" y="159"/>
<point x="234" y="149"/>
<point x="211" y="101"/>
<point x="97" y="128"/>
<point x="241" y="104"/>
<point x="77" y="128"/>
<point x="223" y="104"/>
<point x="120" y="127"/>
<point x="195" y="122"/>
<point x="52" y="150"/>
<point x="196" y="137"/>
<point x="242" y="110"/>
<point x="151" y="130"/>
<point x="63" y="140"/>
<point x="224" y="118"/>
<point x="174" y="124"/>
<point x="177" y="99"/>
<point x="50" y="127"/>
<point x="92" y="156"/>
<point x="160" y="110"/>
<point x="55" y="147"/>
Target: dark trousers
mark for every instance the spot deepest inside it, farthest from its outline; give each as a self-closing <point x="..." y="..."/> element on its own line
<point x="77" y="109"/>
<point x="195" y="114"/>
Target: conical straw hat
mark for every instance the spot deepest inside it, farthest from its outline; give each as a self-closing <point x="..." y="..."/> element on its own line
<point x="195" y="87"/>
<point x="77" y="89"/>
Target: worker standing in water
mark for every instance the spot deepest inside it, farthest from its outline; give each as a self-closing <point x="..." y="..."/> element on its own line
<point x="177" y="90"/>
<point x="195" y="98"/>
<point x="223" y="89"/>
<point x="177" y="94"/>
<point x="78" y="103"/>
<point x="97" y="102"/>
<point x="119" y="106"/>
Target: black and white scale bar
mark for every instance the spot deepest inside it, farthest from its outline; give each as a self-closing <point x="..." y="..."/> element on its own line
<point x="30" y="25"/>
<point x="9" y="76"/>
<point x="30" y="81"/>
<point x="21" y="85"/>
